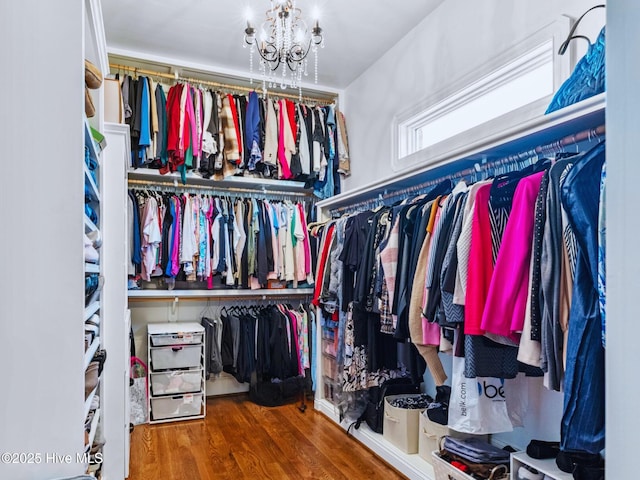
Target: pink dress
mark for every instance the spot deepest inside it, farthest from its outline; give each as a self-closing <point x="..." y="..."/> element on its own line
<point x="480" y="264"/>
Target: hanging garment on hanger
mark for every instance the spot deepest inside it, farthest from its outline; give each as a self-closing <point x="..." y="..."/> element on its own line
<point x="505" y="306"/>
<point x="134" y="256"/>
<point x="556" y="278"/>
<point x="304" y="153"/>
<point x="343" y="145"/>
<point x="161" y="138"/>
<point x="583" y="424"/>
<point x="252" y="131"/>
<point x="227" y="122"/>
<point x="151" y="238"/>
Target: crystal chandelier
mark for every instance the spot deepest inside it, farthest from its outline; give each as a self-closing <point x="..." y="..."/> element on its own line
<point x="283" y="42"/>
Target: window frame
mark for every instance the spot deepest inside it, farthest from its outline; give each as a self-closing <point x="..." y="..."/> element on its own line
<point x="521" y="59"/>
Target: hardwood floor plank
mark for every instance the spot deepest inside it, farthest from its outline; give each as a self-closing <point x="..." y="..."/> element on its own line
<point x="241" y="440"/>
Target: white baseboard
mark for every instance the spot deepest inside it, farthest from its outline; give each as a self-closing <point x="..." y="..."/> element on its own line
<point x="412" y="466"/>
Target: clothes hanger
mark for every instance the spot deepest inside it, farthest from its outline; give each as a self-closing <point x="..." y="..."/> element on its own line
<point x="564" y="45"/>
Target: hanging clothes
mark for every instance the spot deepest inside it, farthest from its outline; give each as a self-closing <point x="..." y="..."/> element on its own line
<point x="243" y="243"/>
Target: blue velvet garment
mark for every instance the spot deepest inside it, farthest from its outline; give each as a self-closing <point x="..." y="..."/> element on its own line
<point x="586" y="80"/>
<point x="583" y="427"/>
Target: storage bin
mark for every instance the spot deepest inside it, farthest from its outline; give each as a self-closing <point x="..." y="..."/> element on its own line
<point x="170" y="383"/>
<point x="445" y="471"/>
<point x="163" y="358"/>
<point x="178" y="406"/>
<point x="176" y="339"/>
<point x="431" y="433"/>
<point x="401" y="425"/>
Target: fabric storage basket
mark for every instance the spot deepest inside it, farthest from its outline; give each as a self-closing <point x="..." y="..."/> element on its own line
<point x="429" y="437"/>
<point x="445" y="471"/>
<point x="401" y="424"/>
<point x="175" y="357"/>
<point x="179" y="406"/>
<point x="431" y="433"/>
<point x="176" y="339"/>
<point x="169" y="383"/>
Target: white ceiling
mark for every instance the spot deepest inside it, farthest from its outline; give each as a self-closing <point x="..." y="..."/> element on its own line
<point x="210" y="32"/>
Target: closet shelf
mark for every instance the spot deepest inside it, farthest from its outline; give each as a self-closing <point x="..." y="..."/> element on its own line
<point x="89" y="226"/>
<point x="91" y="351"/>
<point x="88" y="178"/>
<point x="546" y="466"/>
<point x="542" y="130"/>
<point x="249" y="294"/>
<point x="91" y="267"/>
<point x="255" y="184"/>
<point x="91" y="309"/>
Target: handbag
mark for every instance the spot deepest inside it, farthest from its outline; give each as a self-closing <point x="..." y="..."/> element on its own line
<point x="588" y="76"/>
<point x="374" y="412"/>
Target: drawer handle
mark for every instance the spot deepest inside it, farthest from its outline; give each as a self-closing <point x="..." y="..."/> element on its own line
<point x="176" y="349"/>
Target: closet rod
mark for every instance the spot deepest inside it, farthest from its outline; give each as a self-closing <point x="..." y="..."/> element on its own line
<point x="552" y="147"/>
<point x="224" y="86"/>
<point x="220" y="190"/>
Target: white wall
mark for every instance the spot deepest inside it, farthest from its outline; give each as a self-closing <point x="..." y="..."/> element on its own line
<point x="623" y="225"/>
<point x="115" y="333"/>
<point x="41" y="200"/>
<point x="449" y="45"/>
<point x="458" y="38"/>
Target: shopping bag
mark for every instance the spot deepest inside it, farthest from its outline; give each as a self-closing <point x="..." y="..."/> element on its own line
<point x="478" y="405"/>
<point x="517" y="393"/>
<point x="138" y="391"/>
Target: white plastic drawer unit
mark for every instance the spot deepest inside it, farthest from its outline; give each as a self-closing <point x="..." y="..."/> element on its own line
<point x="173" y="382"/>
<point x="176" y="339"/>
<point x="177" y="406"/>
<point x="176" y="356"/>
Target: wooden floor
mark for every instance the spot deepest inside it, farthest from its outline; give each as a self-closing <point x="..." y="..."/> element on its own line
<point x="239" y="439"/>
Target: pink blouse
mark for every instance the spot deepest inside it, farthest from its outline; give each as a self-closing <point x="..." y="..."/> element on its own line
<point x="507" y="297"/>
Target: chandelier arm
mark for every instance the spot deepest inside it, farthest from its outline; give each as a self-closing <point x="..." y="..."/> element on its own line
<point x="300" y="59"/>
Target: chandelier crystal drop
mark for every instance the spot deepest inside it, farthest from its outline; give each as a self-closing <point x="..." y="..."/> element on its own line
<point x="283" y="42"/>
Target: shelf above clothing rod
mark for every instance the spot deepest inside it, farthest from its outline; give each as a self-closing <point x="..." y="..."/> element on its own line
<point x="543" y="130"/>
<point x="226" y="87"/>
<point x="261" y="294"/>
<point x="230" y="184"/>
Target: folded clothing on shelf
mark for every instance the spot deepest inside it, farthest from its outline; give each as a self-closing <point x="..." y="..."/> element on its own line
<point x="91" y="213"/>
<point x="91" y="255"/>
<point x="91" y="285"/>
<point x="476" y="450"/>
<point x="89" y="196"/>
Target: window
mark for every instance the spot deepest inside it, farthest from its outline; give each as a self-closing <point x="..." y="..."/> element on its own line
<point x="517" y="89"/>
